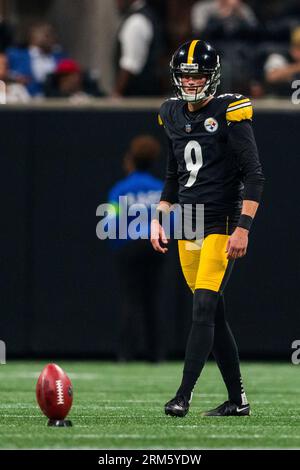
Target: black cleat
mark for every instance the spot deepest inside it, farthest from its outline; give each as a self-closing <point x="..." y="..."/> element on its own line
<point x="229" y="409"/>
<point x="178" y="406"/>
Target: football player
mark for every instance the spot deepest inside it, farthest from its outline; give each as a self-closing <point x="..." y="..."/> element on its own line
<point x="213" y="160"/>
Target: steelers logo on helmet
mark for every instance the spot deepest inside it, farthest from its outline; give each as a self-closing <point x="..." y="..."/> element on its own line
<point x="195" y="58"/>
<point x="211" y="124"/>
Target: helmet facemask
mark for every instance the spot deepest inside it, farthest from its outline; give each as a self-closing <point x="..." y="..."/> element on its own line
<point x="208" y="89"/>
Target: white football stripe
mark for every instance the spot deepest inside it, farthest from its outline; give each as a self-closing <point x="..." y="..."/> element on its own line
<point x="244" y="105"/>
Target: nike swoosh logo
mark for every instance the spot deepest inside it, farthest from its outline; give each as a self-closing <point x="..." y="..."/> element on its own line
<point x="242" y="409"/>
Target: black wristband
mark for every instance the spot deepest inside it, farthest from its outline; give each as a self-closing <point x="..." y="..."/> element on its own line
<point x="245" y="221"/>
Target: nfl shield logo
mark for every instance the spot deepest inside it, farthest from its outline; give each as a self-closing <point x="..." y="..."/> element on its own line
<point x="188" y="128"/>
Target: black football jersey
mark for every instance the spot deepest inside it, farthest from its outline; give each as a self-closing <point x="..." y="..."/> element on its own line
<point x="212" y="154"/>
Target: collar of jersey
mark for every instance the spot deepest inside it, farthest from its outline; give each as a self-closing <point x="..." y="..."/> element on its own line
<point x="193" y="116"/>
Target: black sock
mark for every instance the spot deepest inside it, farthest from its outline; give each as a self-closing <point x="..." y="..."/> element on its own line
<point x="201" y="338"/>
<point x="226" y="354"/>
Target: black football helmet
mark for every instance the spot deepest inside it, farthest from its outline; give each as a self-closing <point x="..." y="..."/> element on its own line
<point x="195" y="57"/>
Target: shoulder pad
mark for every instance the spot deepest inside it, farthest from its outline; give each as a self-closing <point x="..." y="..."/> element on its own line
<point x="165" y="110"/>
<point x="239" y="108"/>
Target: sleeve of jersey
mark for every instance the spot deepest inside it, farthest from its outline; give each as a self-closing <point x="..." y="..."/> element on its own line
<point x="242" y="142"/>
<point x="161" y="115"/>
<point x="170" y="189"/>
<point x="239" y="110"/>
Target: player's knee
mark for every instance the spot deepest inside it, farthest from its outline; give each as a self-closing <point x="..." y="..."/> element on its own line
<point x="204" y="306"/>
<point x="220" y="311"/>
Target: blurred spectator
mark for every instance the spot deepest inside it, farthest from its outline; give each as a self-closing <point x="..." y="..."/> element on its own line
<point x="30" y="66"/>
<point x="138" y="50"/>
<point x="280" y="25"/>
<point x="139" y="267"/>
<point x="223" y="19"/>
<point x="69" y="81"/>
<point x="5" y="35"/>
<point x="282" y="69"/>
<point x="15" y="92"/>
<point x="230" y="25"/>
<point x="179" y="22"/>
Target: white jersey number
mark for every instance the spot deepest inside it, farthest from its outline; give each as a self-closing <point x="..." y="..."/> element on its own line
<point x="193" y="165"/>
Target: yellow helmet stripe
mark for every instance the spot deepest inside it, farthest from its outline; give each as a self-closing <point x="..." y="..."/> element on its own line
<point x="191" y="51"/>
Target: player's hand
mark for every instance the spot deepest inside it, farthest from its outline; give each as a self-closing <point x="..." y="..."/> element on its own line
<point x="237" y="244"/>
<point x="158" y="236"/>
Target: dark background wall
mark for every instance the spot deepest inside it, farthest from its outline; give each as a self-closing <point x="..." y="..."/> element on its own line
<point x="58" y="285"/>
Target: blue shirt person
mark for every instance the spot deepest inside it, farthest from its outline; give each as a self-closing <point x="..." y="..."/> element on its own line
<point x="139" y="186"/>
<point x="138" y="266"/>
<point x="30" y="66"/>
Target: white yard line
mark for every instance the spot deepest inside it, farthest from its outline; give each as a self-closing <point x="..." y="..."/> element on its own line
<point x="100" y="437"/>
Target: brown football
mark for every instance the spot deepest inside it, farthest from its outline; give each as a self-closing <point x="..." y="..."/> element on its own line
<point x="54" y="392"/>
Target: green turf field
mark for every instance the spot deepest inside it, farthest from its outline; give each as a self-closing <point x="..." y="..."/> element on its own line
<point x="121" y="406"/>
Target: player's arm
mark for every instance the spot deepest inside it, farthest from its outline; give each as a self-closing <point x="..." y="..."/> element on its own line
<point x="282" y="74"/>
<point x="242" y="141"/>
<point x="169" y="196"/>
<point x="122" y="83"/>
<point x="135" y="39"/>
